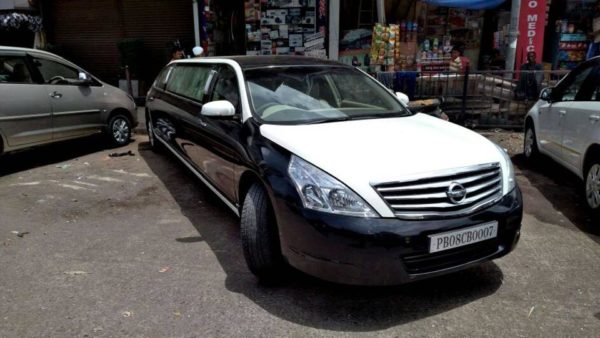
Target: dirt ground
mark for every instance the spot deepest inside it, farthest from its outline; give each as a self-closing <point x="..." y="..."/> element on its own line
<point x="509" y="140"/>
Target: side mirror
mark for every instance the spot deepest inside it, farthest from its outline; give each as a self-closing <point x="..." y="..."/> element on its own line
<point x="84" y="79"/>
<point x="546" y="94"/>
<point x="220" y="108"/>
<point x="402" y="97"/>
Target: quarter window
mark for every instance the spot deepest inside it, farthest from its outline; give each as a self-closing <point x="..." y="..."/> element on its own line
<point x="189" y="81"/>
<point x="13" y="69"/>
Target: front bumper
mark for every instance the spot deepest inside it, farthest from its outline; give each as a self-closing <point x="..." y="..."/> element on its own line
<point x="389" y="251"/>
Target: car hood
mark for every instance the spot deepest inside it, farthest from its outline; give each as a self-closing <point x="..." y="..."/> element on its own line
<point x="363" y="153"/>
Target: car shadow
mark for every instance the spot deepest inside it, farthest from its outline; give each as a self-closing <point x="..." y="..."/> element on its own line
<point x="303" y="299"/>
<point x="562" y="188"/>
<point x="51" y="154"/>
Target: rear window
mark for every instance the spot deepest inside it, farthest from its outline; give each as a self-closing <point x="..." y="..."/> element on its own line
<point x="190" y="80"/>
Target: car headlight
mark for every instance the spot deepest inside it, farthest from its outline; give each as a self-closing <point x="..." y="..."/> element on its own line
<point x="508" y="175"/>
<point x="319" y="191"/>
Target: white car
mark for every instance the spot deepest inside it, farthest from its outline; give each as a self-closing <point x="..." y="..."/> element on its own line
<point x="330" y="173"/>
<point x="565" y="125"/>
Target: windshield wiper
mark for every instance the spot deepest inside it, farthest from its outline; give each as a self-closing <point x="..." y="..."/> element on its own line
<point x="329" y="119"/>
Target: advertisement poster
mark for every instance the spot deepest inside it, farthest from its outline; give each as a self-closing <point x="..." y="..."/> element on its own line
<point x="285" y="27"/>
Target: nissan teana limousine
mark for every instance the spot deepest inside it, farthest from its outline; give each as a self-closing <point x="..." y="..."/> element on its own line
<point x="331" y="174"/>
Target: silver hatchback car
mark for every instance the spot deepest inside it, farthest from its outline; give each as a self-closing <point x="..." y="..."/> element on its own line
<point x="45" y="98"/>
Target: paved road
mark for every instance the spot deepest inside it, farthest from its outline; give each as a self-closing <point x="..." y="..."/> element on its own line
<point x="136" y="246"/>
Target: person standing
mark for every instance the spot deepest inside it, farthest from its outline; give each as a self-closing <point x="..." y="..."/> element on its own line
<point x="458" y="62"/>
<point x="177" y="52"/>
<point x="530" y="82"/>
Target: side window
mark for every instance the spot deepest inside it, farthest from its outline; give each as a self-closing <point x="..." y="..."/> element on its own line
<point x="13" y="69"/>
<point x="161" y="79"/>
<point x="595" y="84"/>
<point x="571" y="91"/>
<point x="189" y="80"/>
<point x="52" y="70"/>
<point x="226" y="87"/>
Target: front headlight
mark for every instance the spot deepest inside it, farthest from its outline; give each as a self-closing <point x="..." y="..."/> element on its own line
<point x="319" y="191"/>
<point x="508" y="172"/>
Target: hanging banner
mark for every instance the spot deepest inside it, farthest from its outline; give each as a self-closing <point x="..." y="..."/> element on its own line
<point x="532" y="20"/>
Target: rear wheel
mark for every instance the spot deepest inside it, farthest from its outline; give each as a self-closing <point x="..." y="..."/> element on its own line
<point x="592" y="188"/>
<point x="260" y="237"/>
<point x="118" y="130"/>
<point x="530" y="149"/>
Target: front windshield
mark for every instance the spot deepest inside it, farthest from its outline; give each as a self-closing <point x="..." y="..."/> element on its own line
<point x="300" y="95"/>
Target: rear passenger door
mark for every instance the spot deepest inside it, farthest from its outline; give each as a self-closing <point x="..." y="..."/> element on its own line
<point x="25" y="114"/>
<point x="76" y="108"/>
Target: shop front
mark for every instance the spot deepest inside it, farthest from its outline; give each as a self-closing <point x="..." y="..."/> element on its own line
<point x="420" y="35"/>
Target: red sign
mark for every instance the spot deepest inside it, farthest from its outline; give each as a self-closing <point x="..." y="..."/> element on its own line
<point x="532" y="20"/>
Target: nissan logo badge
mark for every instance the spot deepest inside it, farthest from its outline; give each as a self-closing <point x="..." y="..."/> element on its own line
<point x="456" y="193"/>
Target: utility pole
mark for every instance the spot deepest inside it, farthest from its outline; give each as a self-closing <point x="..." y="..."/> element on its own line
<point x="196" y="22"/>
<point x="513" y="36"/>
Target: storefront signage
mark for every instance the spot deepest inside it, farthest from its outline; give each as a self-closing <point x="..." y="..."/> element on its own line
<point x="532" y="20"/>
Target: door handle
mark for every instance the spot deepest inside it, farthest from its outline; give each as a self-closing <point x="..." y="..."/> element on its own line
<point x="56" y="95"/>
<point x="151" y="98"/>
<point x="562" y="112"/>
<point x="202" y="123"/>
<point x="594" y="118"/>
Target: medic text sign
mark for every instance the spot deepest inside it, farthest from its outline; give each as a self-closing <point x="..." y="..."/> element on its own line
<point x="532" y="21"/>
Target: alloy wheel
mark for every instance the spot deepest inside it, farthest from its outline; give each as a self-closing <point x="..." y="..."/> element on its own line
<point x="120" y="130"/>
<point x="529" y="140"/>
<point x="592" y="187"/>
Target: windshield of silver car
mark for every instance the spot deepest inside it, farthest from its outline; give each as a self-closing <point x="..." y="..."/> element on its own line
<point x="312" y="94"/>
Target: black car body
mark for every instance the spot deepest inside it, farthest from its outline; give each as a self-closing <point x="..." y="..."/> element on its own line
<point x="249" y="129"/>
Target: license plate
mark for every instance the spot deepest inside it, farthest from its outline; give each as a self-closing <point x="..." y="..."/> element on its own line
<point x="455" y="239"/>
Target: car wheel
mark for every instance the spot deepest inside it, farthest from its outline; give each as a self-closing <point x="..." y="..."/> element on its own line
<point x="592" y="188"/>
<point x="530" y="148"/>
<point x="154" y="143"/>
<point x="118" y="130"/>
<point x="260" y="237"/>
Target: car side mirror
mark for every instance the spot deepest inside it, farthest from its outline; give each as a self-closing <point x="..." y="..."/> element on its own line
<point x="546" y="94"/>
<point x="402" y="97"/>
<point x="84" y="79"/>
<point x="221" y="108"/>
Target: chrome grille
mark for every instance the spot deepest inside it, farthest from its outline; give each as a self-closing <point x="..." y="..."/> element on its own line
<point x="427" y="196"/>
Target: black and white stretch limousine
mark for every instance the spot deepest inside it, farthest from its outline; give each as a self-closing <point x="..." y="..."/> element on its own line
<point x="330" y="173"/>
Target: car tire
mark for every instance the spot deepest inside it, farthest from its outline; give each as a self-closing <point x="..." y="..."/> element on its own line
<point x="260" y="237"/>
<point x="592" y="188"/>
<point x="118" y="130"/>
<point x="530" y="148"/>
<point x="152" y="140"/>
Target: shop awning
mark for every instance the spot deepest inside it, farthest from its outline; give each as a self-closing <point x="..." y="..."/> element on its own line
<point x="468" y="4"/>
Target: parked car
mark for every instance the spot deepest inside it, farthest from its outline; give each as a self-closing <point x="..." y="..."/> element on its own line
<point x="565" y="125"/>
<point x="330" y="173"/>
<point x="45" y="98"/>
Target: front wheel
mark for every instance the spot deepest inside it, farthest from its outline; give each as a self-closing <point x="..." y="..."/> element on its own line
<point x="530" y="149"/>
<point x="260" y="237"/>
<point x="118" y="130"/>
<point x="592" y="189"/>
<point x="154" y="143"/>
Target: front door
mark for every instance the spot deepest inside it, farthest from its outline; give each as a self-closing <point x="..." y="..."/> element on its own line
<point x="76" y="109"/>
<point x="25" y="113"/>
<point x="553" y="115"/>
<point x="582" y="120"/>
